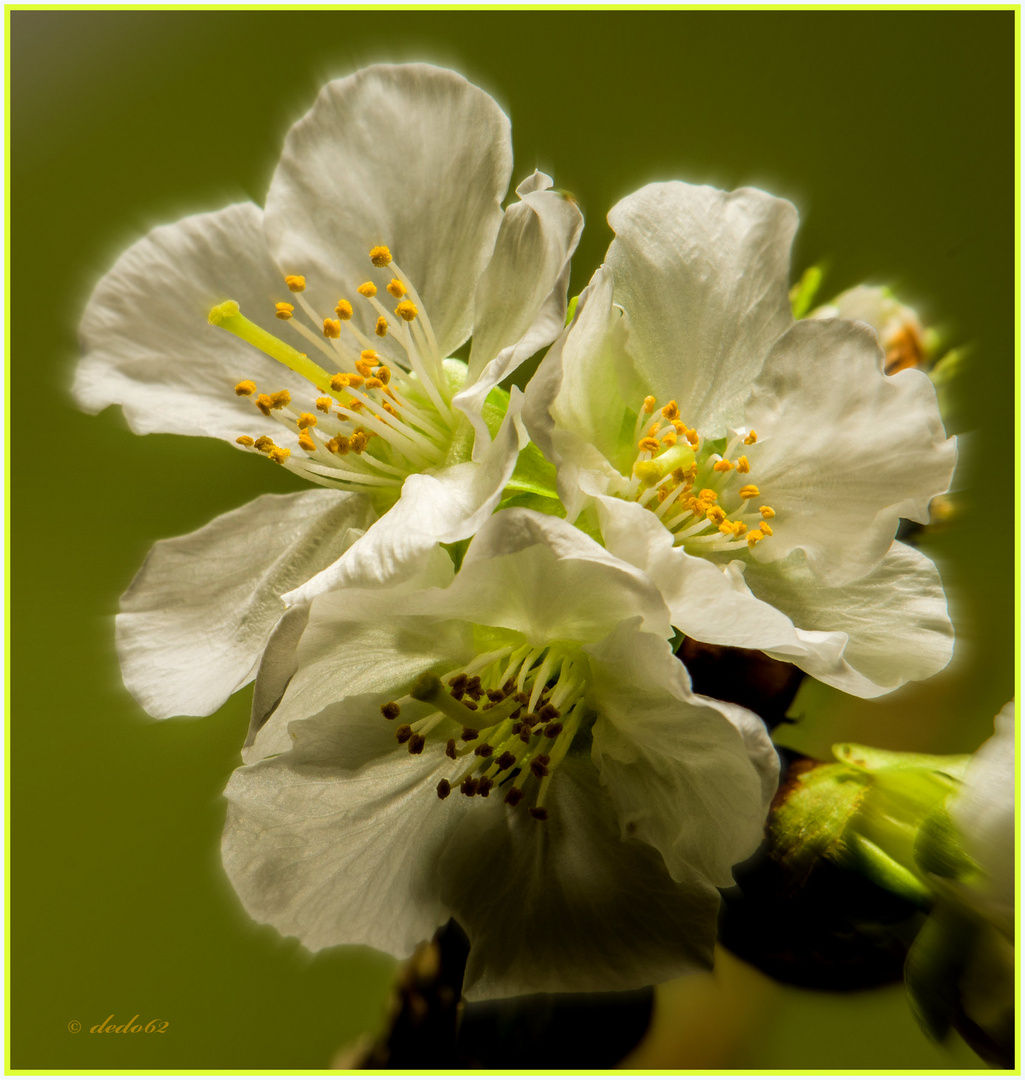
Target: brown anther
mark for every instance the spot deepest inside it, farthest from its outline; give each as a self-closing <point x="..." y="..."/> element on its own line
<point x="416" y="744"/>
<point x="506" y="761"/>
<point x="513" y="796"/>
<point x="538" y="767"/>
<point x="469" y="734"/>
<point x="403" y="732"/>
<point x="523" y="697"/>
<point x="551" y="730"/>
<point x="532" y="719"/>
<point x="525" y="735"/>
<point x="450" y="749"/>
<point x="339" y="444"/>
<point x="539" y="813"/>
<point x="474" y="688"/>
<point x="358" y="442"/>
<point x="484" y="750"/>
<point x="444" y="789"/>
<point x="390" y="709"/>
<point x="471" y="704"/>
<point x="495" y="695"/>
<point x="245" y="440"/>
<point x="508" y="687"/>
<point x="484" y="786"/>
<point x="245" y="388"/>
<point x="516" y="715"/>
<point x="517" y="728"/>
<point x="468" y="786"/>
<point x="549" y="712"/>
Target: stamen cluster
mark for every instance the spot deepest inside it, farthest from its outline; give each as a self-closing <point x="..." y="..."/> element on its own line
<point x="516" y="718"/>
<point x="695" y="491"/>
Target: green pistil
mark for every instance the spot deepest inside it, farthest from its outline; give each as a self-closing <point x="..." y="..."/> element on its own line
<point x="228" y="317"/>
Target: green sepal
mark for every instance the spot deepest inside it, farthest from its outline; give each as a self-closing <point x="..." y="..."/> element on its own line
<point x="873" y="760"/>
<point x="533" y="474"/>
<point x="802" y="294"/>
<point x="870" y="860"/>
<point x="938" y="848"/>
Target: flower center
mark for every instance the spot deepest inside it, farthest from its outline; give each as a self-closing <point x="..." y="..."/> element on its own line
<point x="508" y="720"/>
<point x="698" y="489"/>
<point x="392" y="389"/>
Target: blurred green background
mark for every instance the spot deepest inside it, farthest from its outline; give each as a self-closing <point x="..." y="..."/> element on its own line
<point x="894" y="135"/>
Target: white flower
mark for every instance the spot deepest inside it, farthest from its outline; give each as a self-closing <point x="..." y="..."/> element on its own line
<point x="409" y="159"/>
<point x="514" y="746"/>
<point x="755" y="467"/>
<point x="896" y="325"/>
<point x="983" y="812"/>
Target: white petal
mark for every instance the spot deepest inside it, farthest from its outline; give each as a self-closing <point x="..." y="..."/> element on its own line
<point x="984" y="813"/>
<point x="194" y="621"/>
<point x="147" y="342"/>
<point x="521" y="299"/>
<point x="707" y="601"/>
<point x="433" y="509"/>
<point x="850" y="450"/>
<point x="703" y="275"/>
<point x="564" y="905"/>
<point x="539" y="575"/>
<point x="337" y="841"/>
<point x="413" y="157"/>
<point x="686" y="775"/>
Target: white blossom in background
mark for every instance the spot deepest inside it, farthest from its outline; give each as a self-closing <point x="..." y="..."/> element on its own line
<point x="513" y="745"/>
<point x="903" y="340"/>
<point x="382" y="248"/>
<point x="755" y="467"/>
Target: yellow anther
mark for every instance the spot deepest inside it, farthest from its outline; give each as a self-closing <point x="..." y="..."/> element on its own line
<point x="358" y="442"/>
<point x="264" y="402"/>
<point x="280" y="399"/>
<point x="339" y="380"/>
<point x="396" y="288"/>
<point x="716" y="515"/>
<point x="295" y="282"/>
<point x="754" y="536"/>
<point x="709" y="495"/>
<point x="649" y="404"/>
<point x="726" y="527"/>
<point x="649" y="444"/>
<point x="407" y="310"/>
<point x="679" y="476"/>
<point x="245" y="440"/>
<point x="343" y="309"/>
<point x="384" y="374"/>
<point x="766" y="528"/>
<point x="356" y="380"/>
<point x="749" y="491"/>
<point x="662" y="495"/>
<point x="339" y="445"/>
<point x="380" y="255"/>
<point x="245" y="388"/>
<point x="655" y="428"/>
<point x="723" y="465"/>
<point x="283" y="310"/>
<point x="332" y="328"/>
<point x="669" y="436"/>
<point x="306" y="420"/>
<point x="692" y="438"/>
<point x="391" y="410"/>
<point x="743" y="465"/>
<point x="306" y="442"/>
<point x="751" y="438"/>
<point x="280" y="454"/>
<point x="671" y="411"/>
<point x="355" y="405"/>
<point x="364" y="367"/>
<point x="381" y="329"/>
<point x="766" y="512"/>
<point x="739" y="528"/>
<point x="324" y="404"/>
<point x="264" y="443"/>
<point x="369" y="356"/>
<point x="373" y="384"/>
<point x="368" y="289"/>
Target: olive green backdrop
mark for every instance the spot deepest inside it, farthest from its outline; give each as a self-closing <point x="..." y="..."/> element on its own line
<point x="894" y="135"/>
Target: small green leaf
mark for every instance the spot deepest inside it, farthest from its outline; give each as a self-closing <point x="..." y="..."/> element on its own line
<point x="803" y="293"/>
